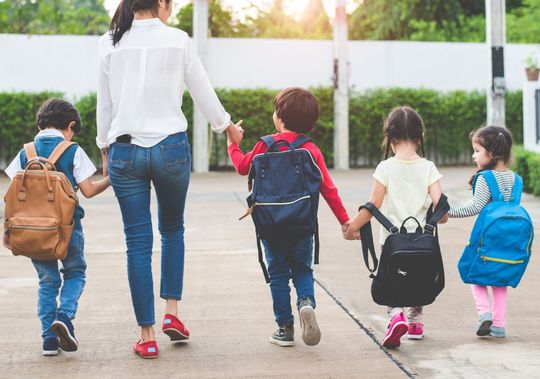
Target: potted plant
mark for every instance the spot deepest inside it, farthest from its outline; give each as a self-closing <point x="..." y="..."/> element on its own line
<point x="531" y="67"/>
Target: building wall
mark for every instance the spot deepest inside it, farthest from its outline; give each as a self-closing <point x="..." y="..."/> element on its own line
<point x="69" y="64"/>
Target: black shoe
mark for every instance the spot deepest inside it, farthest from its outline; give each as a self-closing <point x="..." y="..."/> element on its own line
<point x="284" y="336"/>
<point x="63" y="328"/>
<point x="50" y="346"/>
<point x="311" y="334"/>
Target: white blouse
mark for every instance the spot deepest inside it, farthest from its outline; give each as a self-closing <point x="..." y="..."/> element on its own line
<point x="141" y="82"/>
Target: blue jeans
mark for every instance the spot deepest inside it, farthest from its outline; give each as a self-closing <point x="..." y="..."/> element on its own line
<point x="132" y="168"/>
<point x="289" y="261"/>
<point x="73" y="275"/>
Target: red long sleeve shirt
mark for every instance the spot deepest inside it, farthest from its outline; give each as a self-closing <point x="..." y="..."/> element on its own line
<point x="242" y="164"/>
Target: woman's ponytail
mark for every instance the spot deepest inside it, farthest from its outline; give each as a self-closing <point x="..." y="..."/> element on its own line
<point x="121" y="21"/>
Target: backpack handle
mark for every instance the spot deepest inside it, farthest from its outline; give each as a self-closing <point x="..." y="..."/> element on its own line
<point x="403" y="230"/>
<point x="22" y="191"/>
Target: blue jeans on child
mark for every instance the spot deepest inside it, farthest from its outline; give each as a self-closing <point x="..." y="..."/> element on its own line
<point x="73" y="275"/>
<point x="131" y="170"/>
<point x="289" y="261"/>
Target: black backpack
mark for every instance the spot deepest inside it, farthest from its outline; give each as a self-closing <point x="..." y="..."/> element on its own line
<point x="285" y="188"/>
<point x="411" y="269"/>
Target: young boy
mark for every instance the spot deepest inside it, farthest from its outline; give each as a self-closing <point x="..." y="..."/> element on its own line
<point x="58" y="120"/>
<point x="296" y="111"/>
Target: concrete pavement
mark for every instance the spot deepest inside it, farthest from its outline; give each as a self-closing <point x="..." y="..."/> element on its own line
<point x="228" y="309"/>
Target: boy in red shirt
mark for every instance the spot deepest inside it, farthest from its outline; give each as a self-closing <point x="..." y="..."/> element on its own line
<point x="296" y="111"/>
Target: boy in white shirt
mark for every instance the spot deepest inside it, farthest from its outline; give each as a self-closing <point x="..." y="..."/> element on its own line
<point x="58" y="121"/>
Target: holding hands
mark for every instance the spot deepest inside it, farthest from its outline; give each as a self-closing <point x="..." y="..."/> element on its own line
<point x="235" y="133"/>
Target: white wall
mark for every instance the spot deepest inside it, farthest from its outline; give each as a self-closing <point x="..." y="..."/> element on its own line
<point x="69" y="64"/>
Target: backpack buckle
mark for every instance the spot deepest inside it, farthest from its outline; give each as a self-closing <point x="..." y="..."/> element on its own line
<point x="429" y="229"/>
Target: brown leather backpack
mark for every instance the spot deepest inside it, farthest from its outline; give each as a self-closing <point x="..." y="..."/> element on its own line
<point x="39" y="207"/>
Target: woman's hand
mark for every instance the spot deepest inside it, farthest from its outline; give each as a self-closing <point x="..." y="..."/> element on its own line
<point x="235" y="133"/>
<point x="105" y="160"/>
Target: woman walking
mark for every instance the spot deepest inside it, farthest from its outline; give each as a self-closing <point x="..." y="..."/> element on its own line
<point x="144" y="68"/>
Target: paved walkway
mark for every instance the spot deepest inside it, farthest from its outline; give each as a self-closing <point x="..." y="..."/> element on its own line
<point x="228" y="309"/>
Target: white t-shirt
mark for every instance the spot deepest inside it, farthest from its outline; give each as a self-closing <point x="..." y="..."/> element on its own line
<point x="83" y="168"/>
<point x="407" y="190"/>
<point x="141" y="83"/>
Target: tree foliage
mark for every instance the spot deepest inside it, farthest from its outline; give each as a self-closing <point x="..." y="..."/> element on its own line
<point x="53" y="17"/>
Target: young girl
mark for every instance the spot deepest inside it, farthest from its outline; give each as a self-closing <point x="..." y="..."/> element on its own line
<point x="492" y="146"/>
<point x="57" y="121"/>
<point x="402" y="185"/>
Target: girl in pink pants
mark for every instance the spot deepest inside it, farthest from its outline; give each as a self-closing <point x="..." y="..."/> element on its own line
<point x="492" y="147"/>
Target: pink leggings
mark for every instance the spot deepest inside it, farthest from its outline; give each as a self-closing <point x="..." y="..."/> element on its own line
<point x="481" y="298"/>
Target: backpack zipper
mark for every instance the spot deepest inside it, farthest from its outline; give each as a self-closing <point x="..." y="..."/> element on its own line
<point x="530" y="238"/>
<point x="485" y="258"/>
<point x="252" y="208"/>
<point x="27" y="227"/>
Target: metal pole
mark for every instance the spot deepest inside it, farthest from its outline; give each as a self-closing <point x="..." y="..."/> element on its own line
<point x="200" y="125"/>
<point x="341" y="89"/>
<point x="496" y="38"/>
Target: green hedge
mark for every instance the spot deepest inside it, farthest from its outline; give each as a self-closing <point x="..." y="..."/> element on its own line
<point x="449" y="118"/>
<point x="527" y="164"/>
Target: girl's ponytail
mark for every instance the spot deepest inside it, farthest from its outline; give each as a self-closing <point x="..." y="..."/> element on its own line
<point x="121" y="21"/>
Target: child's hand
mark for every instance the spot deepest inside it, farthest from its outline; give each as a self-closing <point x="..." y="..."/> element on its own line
<point x="344" y="227"/>
<point x="235" y="133"/>
<point x="351" y="235"/>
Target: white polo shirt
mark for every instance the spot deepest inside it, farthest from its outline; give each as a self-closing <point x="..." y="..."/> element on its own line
<point x="83" y="168"/>
<point x="141" y="83"/>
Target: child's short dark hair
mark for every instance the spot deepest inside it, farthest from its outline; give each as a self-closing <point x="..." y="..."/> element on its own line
<point x="297" y="108"/>
<point x="58" y="113"/>
<point x="403" y="124"/>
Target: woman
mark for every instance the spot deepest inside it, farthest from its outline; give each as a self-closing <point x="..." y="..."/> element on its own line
<point x="144" y="68"/>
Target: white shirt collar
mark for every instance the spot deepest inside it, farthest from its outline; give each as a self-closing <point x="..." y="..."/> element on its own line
<point x="49" y="133"/>
<point x="147" y="22"/>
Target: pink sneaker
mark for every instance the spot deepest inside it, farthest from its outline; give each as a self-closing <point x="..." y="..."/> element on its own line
<point x="416" y="331"/>
<point x="396" y="329"/>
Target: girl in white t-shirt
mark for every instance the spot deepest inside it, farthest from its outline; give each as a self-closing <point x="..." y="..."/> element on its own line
<point x="402" y="186"/>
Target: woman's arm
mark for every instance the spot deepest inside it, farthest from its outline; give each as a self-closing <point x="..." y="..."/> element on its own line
<point x="104" y="102"/>
<point x="203" y="94"/>
<point x="90" y="189"/>
<point x="377" y="197"/>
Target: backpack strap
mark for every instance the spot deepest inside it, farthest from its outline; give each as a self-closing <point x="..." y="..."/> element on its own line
<point x="441" y="209"/>
<point x="59" y="150"/>
<point x="380" y="217"/>
<point x="268" y="140"/>
<point x="317" y="245"/>
<point x="261" y="260"/>
<point x="30" y="151"/>
<point x="300" y="140"/>
<point x="517" y="190"/>
<point x="368" y="248"/>
<point x="492" y="185"/>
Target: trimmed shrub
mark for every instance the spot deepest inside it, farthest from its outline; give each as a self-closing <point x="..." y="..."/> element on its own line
<point x="449" y="118"/>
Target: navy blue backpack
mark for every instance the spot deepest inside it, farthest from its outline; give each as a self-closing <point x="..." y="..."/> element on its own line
<point x="285" y="188"/>
<point x="500" y="245"/>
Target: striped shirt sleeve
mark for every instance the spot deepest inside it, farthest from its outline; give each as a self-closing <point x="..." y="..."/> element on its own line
<point x="480" y="199"/>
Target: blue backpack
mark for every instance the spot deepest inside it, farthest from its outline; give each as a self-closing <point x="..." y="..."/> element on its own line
<point x="500" y="245"/>
<point x="285" y="194"/>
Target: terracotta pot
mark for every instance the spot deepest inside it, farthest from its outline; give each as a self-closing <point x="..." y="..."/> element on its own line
<point x="532" y="74"/>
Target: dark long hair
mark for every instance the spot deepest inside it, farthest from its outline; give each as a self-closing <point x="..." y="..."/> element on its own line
<point x="58" y="113"/>
<point x="123" y="17"/>
<point x="498" y="143"/>
<point x="403" y="124"/>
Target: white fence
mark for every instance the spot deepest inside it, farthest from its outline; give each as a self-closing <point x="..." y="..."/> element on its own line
<point x="69" y="64"/>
